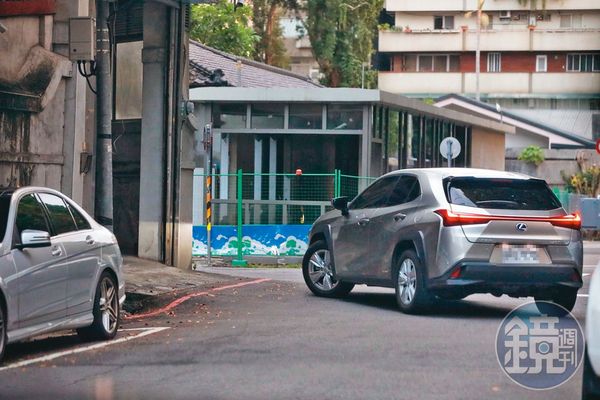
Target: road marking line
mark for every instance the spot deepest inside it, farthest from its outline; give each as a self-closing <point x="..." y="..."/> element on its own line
<point x="583" y="295"/>
<point x="49" y="357"/>
<point x="185" y="298"/>
<point x="584" y="275"/>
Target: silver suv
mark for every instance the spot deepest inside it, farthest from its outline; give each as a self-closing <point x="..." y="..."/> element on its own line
<point x="445" y="234"/>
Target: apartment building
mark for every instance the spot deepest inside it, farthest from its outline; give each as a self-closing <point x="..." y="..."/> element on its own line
<point x="542" y="63"/>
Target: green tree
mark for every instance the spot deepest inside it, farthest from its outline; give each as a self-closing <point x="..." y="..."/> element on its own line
<point x="341" y="34"/>
<point x="224" y="27"/>
<point x="270" y="48"/>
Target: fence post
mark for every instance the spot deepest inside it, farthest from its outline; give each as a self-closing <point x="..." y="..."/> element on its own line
<point x="336" y="185"/>
<point x="239" y="261"/>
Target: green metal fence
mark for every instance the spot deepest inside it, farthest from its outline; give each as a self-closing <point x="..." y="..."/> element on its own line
<point x="279" y="198"/>
<point x="276" y="199"/>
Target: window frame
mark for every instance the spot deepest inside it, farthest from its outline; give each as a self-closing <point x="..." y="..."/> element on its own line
<point x="494" y="58"/>
<point x="17" y="232"/>
<point x="445" y="26"/>
<point x="405" y="201"/>
<point x="448" y="56"/>
<point x="537" y="60"/>
<point x="394" y="179"/>
<point x="594" y="57"/>
<point x="49" y="214"/>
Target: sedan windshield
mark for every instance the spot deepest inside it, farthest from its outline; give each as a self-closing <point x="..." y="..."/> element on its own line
<point x="4" y="206"/>
<point x="509" y="194"/>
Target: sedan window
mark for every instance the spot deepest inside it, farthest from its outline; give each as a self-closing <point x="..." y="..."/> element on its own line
<point x="30" y="215"/>
<point x="4" y="208"/>
<point x="60" y="216"/>
<point x="375" y="195"/>
<point x="82" y="223"/>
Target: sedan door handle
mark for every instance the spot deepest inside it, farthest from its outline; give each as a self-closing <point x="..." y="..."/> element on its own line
<point x="57" y="251"/>
<point x="89" y="240"/>
<point x="363" y="221"/>
<point x="399" y="217"/>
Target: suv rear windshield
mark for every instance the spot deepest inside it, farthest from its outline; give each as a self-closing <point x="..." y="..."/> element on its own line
<point x="500" y="193"/>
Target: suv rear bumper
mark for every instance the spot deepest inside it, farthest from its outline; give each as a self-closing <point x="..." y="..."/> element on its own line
<point x="515" y="280"/>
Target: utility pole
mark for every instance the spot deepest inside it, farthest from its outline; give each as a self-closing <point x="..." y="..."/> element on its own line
<point x="478" y="52"/>
<point x="104" y="184"/>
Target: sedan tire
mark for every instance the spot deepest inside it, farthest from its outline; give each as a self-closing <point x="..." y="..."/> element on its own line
<point x="412" y="294"/>
<point x="318" y="272"/>
<point x="106" y="311"/>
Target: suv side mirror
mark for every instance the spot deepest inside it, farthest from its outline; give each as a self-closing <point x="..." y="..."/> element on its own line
<point x="34" y="238"/>
<point x="341" y="203"/>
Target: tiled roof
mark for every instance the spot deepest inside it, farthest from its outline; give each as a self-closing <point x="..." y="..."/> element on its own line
<point x="211" y="67"/>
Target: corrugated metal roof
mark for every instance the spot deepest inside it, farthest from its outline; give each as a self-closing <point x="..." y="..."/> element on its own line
<point x="211" y="67"/>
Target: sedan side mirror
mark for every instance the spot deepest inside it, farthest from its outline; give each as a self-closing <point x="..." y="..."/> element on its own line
<point x="34" y="238"/>
<point x="341" y="203"/>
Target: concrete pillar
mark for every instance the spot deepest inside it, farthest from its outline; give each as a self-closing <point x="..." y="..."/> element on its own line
<point x="257" y="178"/>
<point x="152" y="157"/>
<point x="224" y="179"/>
<point x="272" y="178"/>
<point x="72" y="182"/>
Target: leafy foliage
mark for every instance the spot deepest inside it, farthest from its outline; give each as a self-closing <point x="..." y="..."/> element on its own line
<point x="532" y="155"/>
<point x="586" y="182"/>
<point x="224" y="27"/>
<point x="270" y="48"/>
<point x="341" y="33"/>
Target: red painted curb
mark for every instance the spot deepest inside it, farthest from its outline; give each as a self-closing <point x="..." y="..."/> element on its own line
<point x="185" y="298"/>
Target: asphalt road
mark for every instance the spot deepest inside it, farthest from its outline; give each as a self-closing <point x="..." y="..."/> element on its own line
<point x="275" y="340"/>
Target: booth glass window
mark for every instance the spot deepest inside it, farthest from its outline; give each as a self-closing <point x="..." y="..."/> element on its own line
<point x="267" y="116"/>
<point x="229" y="116"/>
<point x="306" y="116"/>
<point x="344" y="116"/>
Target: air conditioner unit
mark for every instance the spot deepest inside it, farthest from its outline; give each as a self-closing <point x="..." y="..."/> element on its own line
<point x="504" y="14"/>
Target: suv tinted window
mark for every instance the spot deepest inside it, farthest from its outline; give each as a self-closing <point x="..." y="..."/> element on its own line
<point x="507" y="194"/>
<point x="80" y="220"/>
<point x="60" y="217"/>
<point x="30" y="215"/>
<point x="375" y="195"/>
<point x="407" y="189"/>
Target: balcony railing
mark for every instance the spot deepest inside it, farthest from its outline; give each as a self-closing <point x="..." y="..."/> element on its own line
<point x="490" y="82"/>
<point x="467" y="5"/>
<point x="501" y="39"/>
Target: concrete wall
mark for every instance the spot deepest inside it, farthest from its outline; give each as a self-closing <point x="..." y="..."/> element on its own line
<point x="41" y="142"/>
<point x="487" y="149"/>
<point x="556" y="163"/>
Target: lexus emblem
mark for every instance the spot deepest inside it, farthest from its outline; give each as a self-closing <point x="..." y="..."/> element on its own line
<point x="521" y="227"/>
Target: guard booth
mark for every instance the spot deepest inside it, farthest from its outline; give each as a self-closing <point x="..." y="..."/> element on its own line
<point x="340" y="139"/>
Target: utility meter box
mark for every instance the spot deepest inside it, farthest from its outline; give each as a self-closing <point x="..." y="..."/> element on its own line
<point x="82" y="39"/>
<point x="590" y="213"/>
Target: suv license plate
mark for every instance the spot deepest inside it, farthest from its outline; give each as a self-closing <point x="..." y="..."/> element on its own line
<point x="525" y="254"/>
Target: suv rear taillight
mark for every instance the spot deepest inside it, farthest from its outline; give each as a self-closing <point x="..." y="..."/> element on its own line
<point x="572" y="221"/>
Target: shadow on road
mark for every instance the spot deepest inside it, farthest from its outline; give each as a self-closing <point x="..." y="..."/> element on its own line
<point x="39" y="346"/>
<point x="446" y="308"/>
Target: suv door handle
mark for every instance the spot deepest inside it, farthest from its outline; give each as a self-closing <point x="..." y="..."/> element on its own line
<point x="56" y="251"/>
<point x="363" y="221"/>
<point x="399" y="217"/>
<point x="89" y="240"/>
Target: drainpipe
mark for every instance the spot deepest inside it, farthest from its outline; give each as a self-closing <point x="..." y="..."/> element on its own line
<point x="104" y="184"/>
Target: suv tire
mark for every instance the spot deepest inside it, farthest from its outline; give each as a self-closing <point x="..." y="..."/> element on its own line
<point x="318" y="272"/>
<point x="412" y="294"/>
